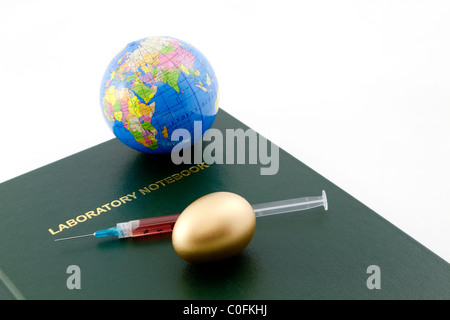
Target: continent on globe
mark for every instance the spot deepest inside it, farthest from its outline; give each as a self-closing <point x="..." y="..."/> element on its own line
<point x="154" y="86"/>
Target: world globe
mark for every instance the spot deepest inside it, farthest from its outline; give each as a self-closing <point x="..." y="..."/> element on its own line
<point x="154" y="86"/>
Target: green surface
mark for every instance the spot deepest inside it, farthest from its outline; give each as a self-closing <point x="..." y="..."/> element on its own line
<point x="307" y="255"/>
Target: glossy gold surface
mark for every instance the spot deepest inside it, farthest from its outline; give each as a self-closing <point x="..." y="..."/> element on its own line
<point x="214" y="227"/>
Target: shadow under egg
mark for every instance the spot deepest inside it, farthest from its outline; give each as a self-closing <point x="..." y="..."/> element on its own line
<point x="232" y="278"/>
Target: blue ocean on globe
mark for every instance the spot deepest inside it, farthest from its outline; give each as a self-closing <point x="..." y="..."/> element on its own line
<point x="154" y="86"/>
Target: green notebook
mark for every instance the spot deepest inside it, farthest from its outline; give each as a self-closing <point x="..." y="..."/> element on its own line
<point x="348" y="252"/>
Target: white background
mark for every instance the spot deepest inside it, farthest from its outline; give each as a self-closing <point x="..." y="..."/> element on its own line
<point x="357" y="90"/>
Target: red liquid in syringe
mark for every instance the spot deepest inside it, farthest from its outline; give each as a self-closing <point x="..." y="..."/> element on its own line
<point x="156" y="225"/>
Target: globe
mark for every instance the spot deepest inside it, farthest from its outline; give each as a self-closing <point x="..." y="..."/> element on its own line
<point x="155" y="86"/>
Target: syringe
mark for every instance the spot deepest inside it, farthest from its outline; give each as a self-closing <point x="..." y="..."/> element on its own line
<point x="165" y="224"/>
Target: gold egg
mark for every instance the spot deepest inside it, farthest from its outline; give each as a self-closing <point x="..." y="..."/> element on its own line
<point x="214" y="227"/>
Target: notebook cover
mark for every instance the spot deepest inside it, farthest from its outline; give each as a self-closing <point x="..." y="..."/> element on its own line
<point x="303" y="255"/>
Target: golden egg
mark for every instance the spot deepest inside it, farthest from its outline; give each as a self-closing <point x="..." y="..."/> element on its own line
<point x="214" y="227"/>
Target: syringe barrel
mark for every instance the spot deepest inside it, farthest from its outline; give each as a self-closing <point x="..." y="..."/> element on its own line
<point x="165" y="224"/>
<point x="290" y="205"/>
<point x="147" y="227"/>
